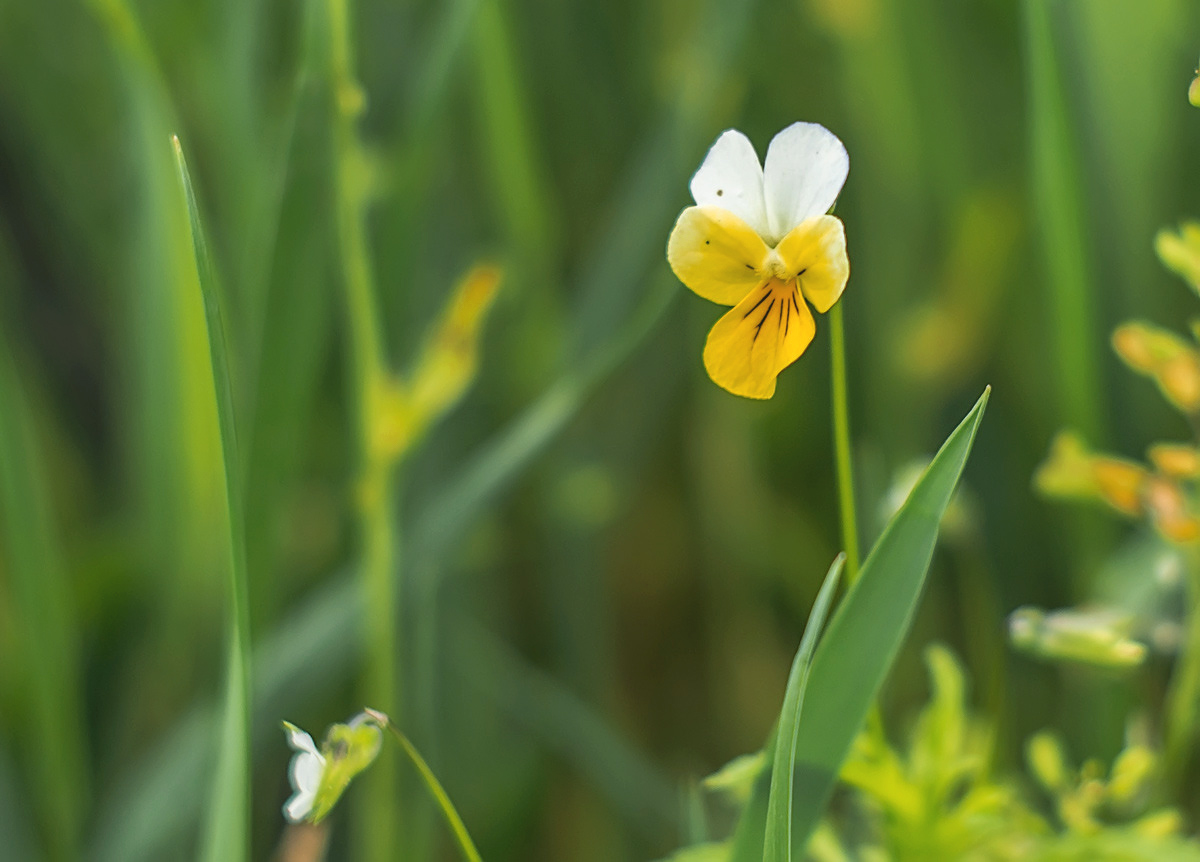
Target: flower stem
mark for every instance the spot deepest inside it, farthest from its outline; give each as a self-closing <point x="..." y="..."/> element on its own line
<point x="453" y="820"/>
<point x="841" y="442"/>
<point x="376" y="491"/>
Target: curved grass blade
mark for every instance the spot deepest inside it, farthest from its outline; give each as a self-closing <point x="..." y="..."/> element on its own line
<point x="227" y="832"/>
<point x="859" y="647"/>
<point x="778" y="838"/>
<point x="453" y="820"/>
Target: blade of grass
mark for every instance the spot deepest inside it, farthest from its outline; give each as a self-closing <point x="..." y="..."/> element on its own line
<point x="227" y="833"/>
<point x="48" y="659"/>
<point x="778" y="840"/>
<point x="859" y="647"/>
<point x="1058" y="201"/>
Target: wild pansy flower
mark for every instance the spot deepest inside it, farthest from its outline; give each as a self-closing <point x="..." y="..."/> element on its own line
<point x="760" y="239"/>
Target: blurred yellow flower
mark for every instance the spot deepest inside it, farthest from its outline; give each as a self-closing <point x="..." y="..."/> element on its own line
<point x="1072" y="470"/>
<point x="1170" y="512"/>
<point x="760" y="239"/>
<point x="445" y="369"/>
<point x="1165" y="357"/>
<point x="1177" y="460"/>
<point x="1179" y="251"/>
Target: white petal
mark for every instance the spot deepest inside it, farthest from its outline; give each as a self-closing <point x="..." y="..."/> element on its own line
<point x="299" y="740"/>
<point x="805" y="170"/>
<point x="305" y="772"/>
<point x="297" y="808"/>
<point x="732" y="178"/>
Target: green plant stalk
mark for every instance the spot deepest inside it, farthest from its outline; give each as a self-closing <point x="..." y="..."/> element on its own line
<point x="453" y="820"/>
<point x="1183" y="698"/>
<point x="376" y="491"/>
<point x="841" y="442"/>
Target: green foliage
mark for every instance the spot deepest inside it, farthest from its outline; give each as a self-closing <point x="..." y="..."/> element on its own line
<point x="938" y="799"/>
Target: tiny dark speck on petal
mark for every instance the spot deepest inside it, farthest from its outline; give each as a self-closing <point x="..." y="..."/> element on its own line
<point x="720" y="192"/>
<point x="706" y="242"/>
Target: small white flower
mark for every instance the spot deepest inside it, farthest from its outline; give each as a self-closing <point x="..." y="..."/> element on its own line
<point x="307" y="767"/>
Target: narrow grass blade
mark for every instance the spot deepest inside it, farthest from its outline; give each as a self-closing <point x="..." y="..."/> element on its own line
<point x="859" y="647"/>
<point x="1058" y="199"/>
<point x="778" y="839"/>
<point x="453" y="820"/>
<point x="227" y="833"/>
<point x="47" y="660"/>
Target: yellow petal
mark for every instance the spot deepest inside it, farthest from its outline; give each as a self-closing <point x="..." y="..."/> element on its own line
<point x="716" y="254"/>
<point x="1177" y="460"/>
<point x="816" y="250"/>
<point x="759" y="337"/>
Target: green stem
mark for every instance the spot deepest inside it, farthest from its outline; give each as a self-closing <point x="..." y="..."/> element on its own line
<point x="841" y="442"/>
<point x="1183" y="699"/>
<point x="453" y="820"/>
<point x="377" y="493"/>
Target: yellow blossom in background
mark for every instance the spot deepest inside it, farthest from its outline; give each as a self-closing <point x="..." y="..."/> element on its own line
<point x="1072" y="471"/>
<point x="1177" y="460"/>
<point x="1179" y="252"/>
<point x="445" y="368"/>
<point x="760" y="239"/>
<point x="1170" y="512"/>
<point x="1165" y="357"/>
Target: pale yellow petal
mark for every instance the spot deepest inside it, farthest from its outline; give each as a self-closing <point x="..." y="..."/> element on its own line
<point x="716" y="254"/>
<point x="759" y="337"/>
<point x="816" y="251"/>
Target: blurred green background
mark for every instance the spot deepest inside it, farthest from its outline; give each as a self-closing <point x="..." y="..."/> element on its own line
<point x="607" y="561"/>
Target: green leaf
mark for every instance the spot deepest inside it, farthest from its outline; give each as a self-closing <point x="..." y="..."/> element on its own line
<point x="860" y="645"/>
<point x="227" y="833"/>
<point x="778" y="839"/>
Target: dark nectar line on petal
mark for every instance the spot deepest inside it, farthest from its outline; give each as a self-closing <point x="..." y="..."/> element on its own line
<point x="766" y="314"/>
<point x="757" y="304"/>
